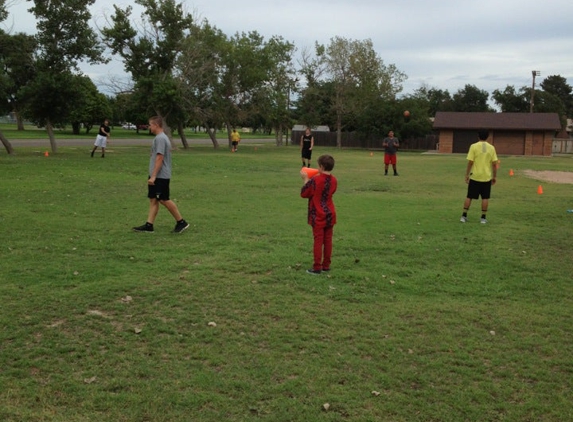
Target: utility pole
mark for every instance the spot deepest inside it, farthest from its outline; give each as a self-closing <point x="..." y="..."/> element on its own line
<point x="534" y="73"/>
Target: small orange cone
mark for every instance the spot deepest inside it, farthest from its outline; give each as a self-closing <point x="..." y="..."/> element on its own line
<point x="372" y="154"/>
<point x="539" y="190"/>
<point x="310" y="172"/>
<point x="46" y="154"/>
<point x="511" y="172"/>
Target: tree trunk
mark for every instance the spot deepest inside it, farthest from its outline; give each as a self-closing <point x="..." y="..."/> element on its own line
<point x="279" y="135"/>
<point x="212" y="135"/>
<point x="181" y="131"/>
<point x="6" y="144"/>
<point x="50" y="130"/>
<point x="339" y="130"/>
<point x="229" y="130"/>
<point x="19" y="121"/>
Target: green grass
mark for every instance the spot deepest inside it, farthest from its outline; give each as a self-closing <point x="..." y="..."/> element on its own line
<point x="446" y="321"/>
<point x="117" y="132"/>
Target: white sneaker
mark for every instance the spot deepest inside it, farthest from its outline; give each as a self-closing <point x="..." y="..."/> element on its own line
<point x="483" y="221"/>
<point x="464" y="219"/>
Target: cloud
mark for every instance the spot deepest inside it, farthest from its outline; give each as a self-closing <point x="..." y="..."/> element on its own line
<point x="445" y="44"/>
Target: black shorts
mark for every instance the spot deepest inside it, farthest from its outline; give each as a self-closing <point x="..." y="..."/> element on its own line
<point x="306" y="153"/>
<point x="160" y="190"/>
<point x="477" y="189"/>
<point x="235" y="143"/>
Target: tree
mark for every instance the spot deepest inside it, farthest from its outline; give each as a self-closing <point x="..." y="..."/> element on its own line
<point x="3" y="10"/>
<point x="558" y="86"/>
<point x="64" y="39"/>
<point x="471" y="99"/>
<point x="434" y="99"/>
<point x="92" y="107"/>
<point x="511" y="101"/>
<point x="359" y="77"/>
<point x="151" y="56"/>
<point x="17" y="56"/>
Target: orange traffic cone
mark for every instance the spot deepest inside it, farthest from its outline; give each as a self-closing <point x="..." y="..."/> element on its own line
<point x="46" y="154"/>
<point x="511" y="172"/>
<point x="539" y="190"/>
<point x="310" y="172"/>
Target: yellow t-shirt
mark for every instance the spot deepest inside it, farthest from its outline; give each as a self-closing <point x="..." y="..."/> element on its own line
<point x="235" y="137"/>
<point x="483" y="156"/>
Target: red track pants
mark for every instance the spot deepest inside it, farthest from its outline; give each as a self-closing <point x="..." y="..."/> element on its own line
<point x="322" y="247"/>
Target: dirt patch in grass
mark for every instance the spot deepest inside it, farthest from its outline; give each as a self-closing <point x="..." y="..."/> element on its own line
<point x="551" y="176"/>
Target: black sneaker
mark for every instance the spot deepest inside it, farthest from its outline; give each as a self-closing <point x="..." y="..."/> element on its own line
<point x="180" y="226"/>
<point x="145" y="228"/>
<point x="313" y="272"/>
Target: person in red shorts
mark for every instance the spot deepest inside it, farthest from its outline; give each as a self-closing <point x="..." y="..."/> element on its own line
<point x="321" y="212"/>
<point x="390" y="145"/>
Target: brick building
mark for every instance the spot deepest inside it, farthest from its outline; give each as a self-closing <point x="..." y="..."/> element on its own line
<point x="510" y="133"/>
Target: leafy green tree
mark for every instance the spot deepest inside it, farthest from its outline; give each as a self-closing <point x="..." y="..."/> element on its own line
<point x="359" y="77"/>
<point x="471" y="99"/>
<point x="546" y="102"/>
<point x="17" y="56"/>
<point x="92" y="106"/>
<point x="511" y="101"/>
<point x="197" y="71"/>
<point x="64" y="39"/>
<point x="276" y="91"/>
<point x="558" y="86"/>
<point x="434" y="99"/>
<point x="3" y="10"/>
<point x="150" y="56"/>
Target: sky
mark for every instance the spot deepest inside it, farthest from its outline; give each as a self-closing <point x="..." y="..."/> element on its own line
<point x="443" y="44"/>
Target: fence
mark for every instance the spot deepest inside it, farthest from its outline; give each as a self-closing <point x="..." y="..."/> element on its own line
<point x="562" y="146"/>
<point x="356" y="140"/>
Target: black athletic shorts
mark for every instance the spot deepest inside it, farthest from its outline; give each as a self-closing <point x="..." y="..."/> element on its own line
<point x="477" y="189"/>
<point x="306" y="153"/>
<point x="160" y="190"/>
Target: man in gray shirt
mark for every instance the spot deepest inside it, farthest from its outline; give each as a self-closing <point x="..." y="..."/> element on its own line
<point x="159" y="177"/>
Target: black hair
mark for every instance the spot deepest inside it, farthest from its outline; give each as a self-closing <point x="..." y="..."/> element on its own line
<point x="483" y="135"/>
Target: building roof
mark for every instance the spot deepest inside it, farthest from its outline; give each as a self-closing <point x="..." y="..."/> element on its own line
<point x="314" y="128"/>
<point x="492" y="121"/>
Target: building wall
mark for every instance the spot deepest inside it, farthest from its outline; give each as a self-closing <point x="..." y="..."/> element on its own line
<point x="446" y="141"/>
<point x="507" y="142"/>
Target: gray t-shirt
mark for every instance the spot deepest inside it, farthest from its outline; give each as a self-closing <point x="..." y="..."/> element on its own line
<point x="392" y="145"/>
<point x="161" y="145"/>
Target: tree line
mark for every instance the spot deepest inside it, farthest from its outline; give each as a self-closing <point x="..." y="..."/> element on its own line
<point x="192" y="74"/>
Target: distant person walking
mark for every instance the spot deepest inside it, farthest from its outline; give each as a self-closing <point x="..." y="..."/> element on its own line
<point x="481" y="173"/>
<point x="102" y="138"/>
<point x="159" y="178"/>
<point x="306" y="145"/>
<point x="390" y="145"/>
<point x="235" y="139"/>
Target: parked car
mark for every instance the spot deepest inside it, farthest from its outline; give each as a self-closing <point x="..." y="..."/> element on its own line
<point x="129" y="126"/>
<point x="142" y="127"/>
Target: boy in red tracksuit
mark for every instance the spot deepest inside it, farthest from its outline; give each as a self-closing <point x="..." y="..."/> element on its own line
<point x="321" y="212"/>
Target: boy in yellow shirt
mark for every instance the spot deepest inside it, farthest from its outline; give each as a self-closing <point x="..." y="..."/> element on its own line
<point x="235" y="139"/>
<point x="481" y="174"/>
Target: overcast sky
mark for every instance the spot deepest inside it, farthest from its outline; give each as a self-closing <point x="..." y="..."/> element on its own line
<point x="444" y="44"/>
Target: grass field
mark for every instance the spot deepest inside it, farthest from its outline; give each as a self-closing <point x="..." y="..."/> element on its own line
<point x="422" y="318"/>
